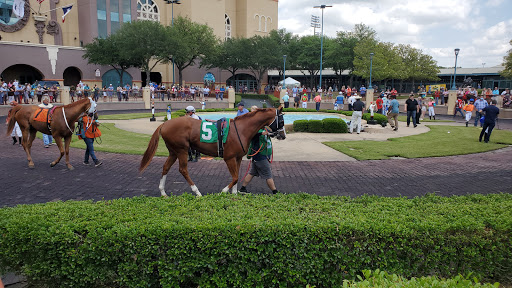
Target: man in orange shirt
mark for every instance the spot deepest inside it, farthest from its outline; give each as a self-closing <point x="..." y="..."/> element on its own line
<point x="318" y="100"/>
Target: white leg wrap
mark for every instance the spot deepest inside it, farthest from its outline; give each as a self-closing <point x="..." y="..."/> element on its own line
<point x="234" y="189"/>
<point x="195" y="190"/>
<point x="162" y="186"/>
<point x="226" y="189"/>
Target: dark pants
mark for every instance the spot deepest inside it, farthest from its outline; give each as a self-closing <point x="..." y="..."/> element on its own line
<point x="317" y="106"/>
<point x="488" y="134"/>
<point x="286" y="104"/>
<point x="418" y="114"/>
<point x="89" y="142"/>
<point x="460" y="110"/>
<point x="411" y="115"/>
<point x="477" y="118"/>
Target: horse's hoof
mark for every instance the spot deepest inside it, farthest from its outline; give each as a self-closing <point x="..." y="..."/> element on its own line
<point x="31" y="166"/>
<point x="71" y="168"/>
<point x="53" y="164"/>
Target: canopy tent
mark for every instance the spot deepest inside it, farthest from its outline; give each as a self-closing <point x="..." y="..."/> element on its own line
<point x="289" y="82"/>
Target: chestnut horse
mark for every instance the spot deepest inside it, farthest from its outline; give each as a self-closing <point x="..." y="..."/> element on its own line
<point x="181" y="133"/>
<point x="62" y="125"/>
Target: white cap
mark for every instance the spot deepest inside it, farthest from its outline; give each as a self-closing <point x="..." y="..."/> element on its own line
<point x="190" y="109"/>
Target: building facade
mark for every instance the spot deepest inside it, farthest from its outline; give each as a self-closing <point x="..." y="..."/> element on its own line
<point x="38" y="43"/>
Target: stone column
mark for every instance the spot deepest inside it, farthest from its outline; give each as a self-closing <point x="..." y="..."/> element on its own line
<point x="369" y="97"/>
<point x="64" y="95"/>
<point x="231" y="98"/>
<point x="452" y="99"/>
<point x="146" y="95"/>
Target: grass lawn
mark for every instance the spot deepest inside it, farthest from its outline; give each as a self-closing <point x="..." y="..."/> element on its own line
<point x="116" y="140"/>
<point x="404" y="119"/>
<point x="130" y="116"/>
<point x="439" y="141"/>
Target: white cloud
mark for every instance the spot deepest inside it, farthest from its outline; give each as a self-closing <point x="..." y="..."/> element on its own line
<point x="435" y="26"/>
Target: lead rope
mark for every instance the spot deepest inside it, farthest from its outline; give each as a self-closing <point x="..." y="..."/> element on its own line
<point x="66" y="120"/>
<point x="238" y="135"/>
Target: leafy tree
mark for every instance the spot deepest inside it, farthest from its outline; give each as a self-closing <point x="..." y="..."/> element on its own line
<point x="231" y="55"/>
<point x="339" y="53"/>
<point x="142" y="43"/>
<point x="262" y="57"/>
<point x="108" y="52"/>
<point x="386" y="61"/>
<point x="362" y="32"/>
<point x="285" y="43"/>
<point x="416" y="65"/>
<point x="507" y="62"/>
<point x="308" y="57"/>
<point x="191" y="42"/>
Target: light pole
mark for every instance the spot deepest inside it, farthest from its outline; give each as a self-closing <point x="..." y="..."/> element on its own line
<point x="371" y="64"/>
<point x="321" y="40"/>
<point x="455" y="68"/>
<point x="284" y="70"/>
<point x="172" y="2"/>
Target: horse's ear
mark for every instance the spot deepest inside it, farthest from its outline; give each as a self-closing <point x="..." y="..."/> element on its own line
<point x="280" y="108"/>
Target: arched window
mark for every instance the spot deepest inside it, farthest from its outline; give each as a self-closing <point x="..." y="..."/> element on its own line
<point x="147" y="10"/>
<point x="259" y="21"/>
<point x="267" y="25"/>
<point x="227" y="25"/>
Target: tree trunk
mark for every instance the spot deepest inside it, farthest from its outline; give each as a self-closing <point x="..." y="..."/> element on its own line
<point x="147" y="77"/>
<point x="180" y="76"/>
<point x="351" y="80"/>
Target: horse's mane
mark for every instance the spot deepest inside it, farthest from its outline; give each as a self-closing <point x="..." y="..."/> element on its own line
<point x="250" y="114"/>
<point x="76" y="103"/>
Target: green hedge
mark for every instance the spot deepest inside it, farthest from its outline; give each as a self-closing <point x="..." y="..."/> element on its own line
<point x="383" y="279"/>
<point x="255" y="241"/>
<point x="300" y="125"/>
<point x="271" y="99"/>
<point x="376" y="116"/>
<point x="334" y="125"/>
<point x="327" y="125"/>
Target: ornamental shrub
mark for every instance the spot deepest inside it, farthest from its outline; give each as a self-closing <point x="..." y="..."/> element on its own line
<point x="256" y="241"/>
<point x="376" y="116"/>
<point x="315" y="126"/>
<point x="334" y="125"/>
<point x="300" y="125"/>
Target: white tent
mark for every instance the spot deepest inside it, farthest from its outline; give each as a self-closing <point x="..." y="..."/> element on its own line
<point x="289" y="82"/>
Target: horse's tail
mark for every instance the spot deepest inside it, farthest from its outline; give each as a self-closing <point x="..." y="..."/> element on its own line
<point x="12" y="120"/>
<point x="151" y="150"/>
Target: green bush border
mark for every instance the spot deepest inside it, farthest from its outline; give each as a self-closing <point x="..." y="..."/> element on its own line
<point x="255" y="241"/>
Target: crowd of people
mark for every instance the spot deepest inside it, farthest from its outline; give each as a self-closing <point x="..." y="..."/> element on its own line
<point x="26" y="93"/>
<point x="187" y="92"/>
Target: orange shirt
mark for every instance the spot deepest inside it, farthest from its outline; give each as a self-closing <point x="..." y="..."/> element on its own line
<point x="469" y="107"/>
<point x="318" y="98"/>
<point x="91" y="131"/>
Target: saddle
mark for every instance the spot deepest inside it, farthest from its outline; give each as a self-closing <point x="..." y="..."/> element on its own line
<point x="212" y="132"/>
<point x="45" y="115"/>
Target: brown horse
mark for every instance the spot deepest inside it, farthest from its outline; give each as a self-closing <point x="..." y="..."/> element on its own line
<point x="62" y="125"/>
<point x="181" y="133"/>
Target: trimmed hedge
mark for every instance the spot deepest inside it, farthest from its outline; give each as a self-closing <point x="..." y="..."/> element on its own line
<point x="334" y="125"/>
<point x="315" y="126"/>
<point x="382" y="279"/>
<point x="327" y="125"/>
<point x="376" y="116"/>
<point x="255" y="241"/>
<point x="300" y="125"/>
<point x="271" y="99"/>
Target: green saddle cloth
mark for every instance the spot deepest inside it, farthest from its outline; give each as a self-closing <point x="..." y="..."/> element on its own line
<point x="209" y="132"/>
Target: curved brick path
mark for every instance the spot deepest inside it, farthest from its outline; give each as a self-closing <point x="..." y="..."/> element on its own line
<point x="489" y="172"/>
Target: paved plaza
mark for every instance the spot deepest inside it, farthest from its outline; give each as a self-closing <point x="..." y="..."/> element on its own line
<point x="118" y="177"/>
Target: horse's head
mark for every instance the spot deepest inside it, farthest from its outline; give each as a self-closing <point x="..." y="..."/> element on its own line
<point x="92" y="106"/>
<point x="277" y="125"/>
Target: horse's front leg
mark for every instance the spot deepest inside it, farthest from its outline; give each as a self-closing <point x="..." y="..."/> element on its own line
<point x="67" y="141"/>
<point x="234" y="167"/>
<point x="58" y="140"/>
<point x="183" y="158"/>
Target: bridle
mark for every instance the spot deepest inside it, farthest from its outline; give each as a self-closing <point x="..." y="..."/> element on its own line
<point x="91" y="110"/>
<point x="276" y="126"/>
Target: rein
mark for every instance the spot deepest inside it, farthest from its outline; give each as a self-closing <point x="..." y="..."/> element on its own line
<point x="66" y="120"/>
<point x="238" y="135"/>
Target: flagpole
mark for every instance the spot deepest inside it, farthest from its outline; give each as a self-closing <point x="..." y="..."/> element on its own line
<point x="57" y="8"/>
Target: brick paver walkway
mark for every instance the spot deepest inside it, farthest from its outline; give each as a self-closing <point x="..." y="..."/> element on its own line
<point x="484" y="173"/>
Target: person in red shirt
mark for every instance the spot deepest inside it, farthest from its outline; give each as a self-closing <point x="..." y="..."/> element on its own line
<point x="437" y="94"/>
<point x="379" y="105"/>
<point x="458" y="107"/>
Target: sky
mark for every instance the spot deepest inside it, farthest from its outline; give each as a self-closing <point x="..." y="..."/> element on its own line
<point x="481" y="29"/>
